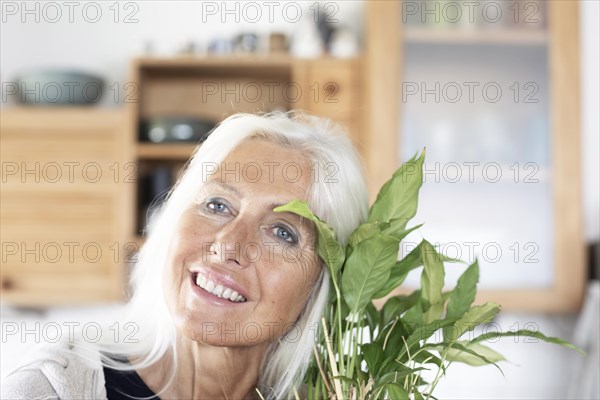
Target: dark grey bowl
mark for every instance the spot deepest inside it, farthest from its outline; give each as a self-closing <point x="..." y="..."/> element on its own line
<point x="46" y="88"/>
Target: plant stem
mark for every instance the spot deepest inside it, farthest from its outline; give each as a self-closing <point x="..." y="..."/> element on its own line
<point x="338" y="312"/>
<point x="336" y="382"/>
<point x="437" y="374"/>
<point x="407" y="362"/>
<point x="321" y="368"/>
<point x="348" y="331"/>
<point x="389" y="333"/>
<point x="260" y="394"/>
<point x="355" y="339"/>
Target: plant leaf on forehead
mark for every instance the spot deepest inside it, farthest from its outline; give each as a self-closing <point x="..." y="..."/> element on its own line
<point x="328" y="248"/>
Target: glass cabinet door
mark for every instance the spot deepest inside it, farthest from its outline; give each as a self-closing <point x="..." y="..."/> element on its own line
<point x="485" y="88"/>
<point x="474" y="93"/>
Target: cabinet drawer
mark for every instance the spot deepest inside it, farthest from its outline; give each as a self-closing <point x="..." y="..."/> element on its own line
<point x="57" y="214"/>
<point x="44" y="289"/>
<point x="63" y="202"/>
<point x="331" y="89"/>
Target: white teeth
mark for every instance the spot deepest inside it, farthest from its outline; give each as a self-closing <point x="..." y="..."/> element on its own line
<point x="210" y="285"/>
<point x="219" y="290"/>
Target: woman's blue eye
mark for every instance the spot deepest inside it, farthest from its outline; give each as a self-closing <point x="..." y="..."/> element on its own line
<point x="285" y="234"/>
<point x="216" y="206"/>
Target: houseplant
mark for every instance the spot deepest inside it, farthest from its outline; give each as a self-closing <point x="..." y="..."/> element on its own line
<point x="369" y="353"/>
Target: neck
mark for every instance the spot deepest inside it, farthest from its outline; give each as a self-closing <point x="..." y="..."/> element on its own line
<point x="206" y="372"/>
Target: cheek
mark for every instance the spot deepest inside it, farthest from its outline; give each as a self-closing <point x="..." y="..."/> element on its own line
<point x="289" y="288"/>
<point x="185" y="245"/>
<point x="171" y="282"/>
<point x="191" y="241"/>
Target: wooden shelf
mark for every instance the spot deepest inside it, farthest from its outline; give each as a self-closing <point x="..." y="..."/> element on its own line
<point x="233" y="61"/>
<point x="513" y="37"/>
<point x="169" y="151"/>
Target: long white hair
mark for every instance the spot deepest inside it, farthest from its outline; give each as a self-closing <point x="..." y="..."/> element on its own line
<point x="339" y="197"/>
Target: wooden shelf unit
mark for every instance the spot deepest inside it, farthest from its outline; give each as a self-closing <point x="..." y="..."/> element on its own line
<point x="213" y="88"/>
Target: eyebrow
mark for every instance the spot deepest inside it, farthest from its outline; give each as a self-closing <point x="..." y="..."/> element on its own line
<point x="275" y="205"/>
<point x="225" y="186"/>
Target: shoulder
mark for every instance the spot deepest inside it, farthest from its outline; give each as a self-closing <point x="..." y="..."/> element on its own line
<point x="61" y="370"/>
<point x="27" y="384"/>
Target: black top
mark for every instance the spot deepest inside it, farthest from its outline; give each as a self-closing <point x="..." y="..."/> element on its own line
<point x="124" y="385"/>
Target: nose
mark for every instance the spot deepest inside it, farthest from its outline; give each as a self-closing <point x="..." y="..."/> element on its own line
<point x="232" y="242"/>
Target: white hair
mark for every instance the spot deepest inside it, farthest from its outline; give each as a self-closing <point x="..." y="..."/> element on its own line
<point x="339" y="197"/>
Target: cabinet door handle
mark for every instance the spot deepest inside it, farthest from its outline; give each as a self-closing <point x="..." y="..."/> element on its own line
<point x="332" y="87"/>
<point x="8" y="284"/>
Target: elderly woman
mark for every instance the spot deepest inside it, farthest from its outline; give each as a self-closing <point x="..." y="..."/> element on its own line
<point x="227" y="293"/>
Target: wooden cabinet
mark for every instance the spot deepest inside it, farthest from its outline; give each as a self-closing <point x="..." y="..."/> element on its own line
<point x="65" y="187"/>
<point x="212" y="88"/>
<point x="530" y="215"/>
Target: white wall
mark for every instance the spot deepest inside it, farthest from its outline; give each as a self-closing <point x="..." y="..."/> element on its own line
<point x="107" y="47"/>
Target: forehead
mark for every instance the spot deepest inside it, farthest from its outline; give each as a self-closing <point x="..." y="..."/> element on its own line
<point x="261" y="167"/>
<point x="264" y="150"/>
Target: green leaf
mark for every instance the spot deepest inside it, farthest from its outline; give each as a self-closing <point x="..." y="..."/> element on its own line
<point x="399" y="272"/>
<point x="396" y="228"/>
<point x="395" y="376"/>
<point x="425" y="357"/>
<point x="389" y="365"/>
<point x="328" y="248"/>
<point x="402" y="268"/>
<point x="398" y="197"/>
<point x="415" y="314"/>
<point x="463" y="295"/>
<point x="432" y="283"/>
<point x="386" y="185"/>
<point x="417" y="394"/>
<point x="364" y="231"/>
<point x="396" y="391"/>
<point x="367" y="268"/>
<point x="392" y="337"/>
<point x="423" y="332"/>
<point x="476" y="315"/>
<point x="473" y="354"/>
<point x="372" y="317"/>
<point x="530" y="334"/>
<point x="373" y="355"/>
<point x="395" y="306"/>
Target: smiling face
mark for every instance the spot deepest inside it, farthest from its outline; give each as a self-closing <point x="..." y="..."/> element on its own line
<point x="240" y="273"/>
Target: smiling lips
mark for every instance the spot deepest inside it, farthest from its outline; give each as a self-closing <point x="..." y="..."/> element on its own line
<point x="220" y="291"/>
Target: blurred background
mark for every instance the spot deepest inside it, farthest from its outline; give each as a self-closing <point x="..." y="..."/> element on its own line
<point x="104" y="102"/>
